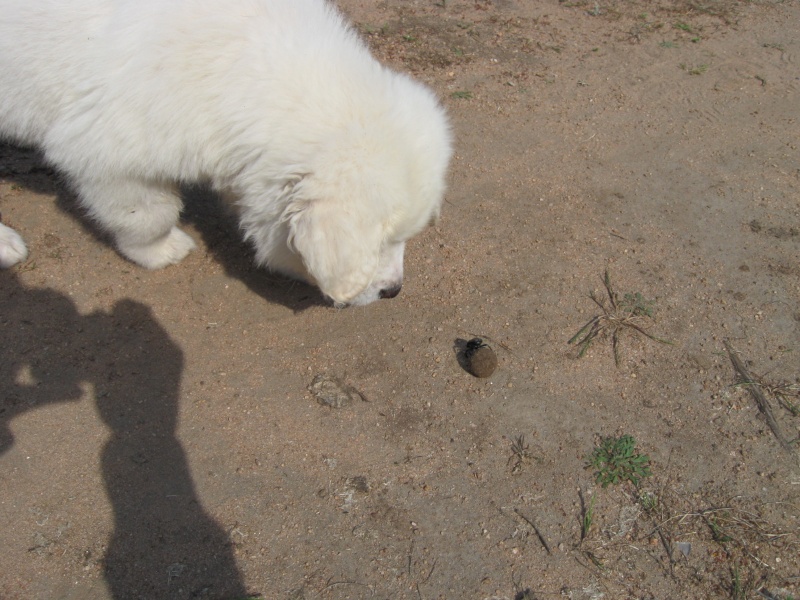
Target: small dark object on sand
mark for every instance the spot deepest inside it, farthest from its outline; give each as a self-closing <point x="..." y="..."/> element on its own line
<point x="481" y="359"/>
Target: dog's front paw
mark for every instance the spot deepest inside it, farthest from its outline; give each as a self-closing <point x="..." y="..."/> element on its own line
<point x="167" y="250"/>
<point x="12" y="248"/>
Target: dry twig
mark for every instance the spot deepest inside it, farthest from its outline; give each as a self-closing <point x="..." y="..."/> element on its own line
<point x="535" y="530"/>
<point x="754" y="388"/>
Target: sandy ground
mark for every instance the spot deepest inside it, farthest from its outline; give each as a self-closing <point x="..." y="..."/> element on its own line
<point x="158" y="439"/>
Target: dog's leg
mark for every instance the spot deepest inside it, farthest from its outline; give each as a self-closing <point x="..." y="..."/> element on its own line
<point x="141" y="216"/>
<point x="12" y="248"/>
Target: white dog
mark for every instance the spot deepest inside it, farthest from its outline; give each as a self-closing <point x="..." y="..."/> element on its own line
<point x="333" y="160"/>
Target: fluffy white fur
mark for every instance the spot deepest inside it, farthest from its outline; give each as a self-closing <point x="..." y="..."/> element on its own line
<point x="333" y="160"/>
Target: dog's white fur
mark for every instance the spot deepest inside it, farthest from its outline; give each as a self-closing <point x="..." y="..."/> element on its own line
<point x="333" y="160"/>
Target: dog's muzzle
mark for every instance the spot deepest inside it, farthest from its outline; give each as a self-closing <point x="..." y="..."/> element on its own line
<point x="390" y="292"/>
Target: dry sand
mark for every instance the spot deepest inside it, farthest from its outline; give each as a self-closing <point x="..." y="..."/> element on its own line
<point x="158" y="438"/>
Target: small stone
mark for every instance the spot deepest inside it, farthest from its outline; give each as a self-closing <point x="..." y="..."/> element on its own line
<point x="482" y="361"/>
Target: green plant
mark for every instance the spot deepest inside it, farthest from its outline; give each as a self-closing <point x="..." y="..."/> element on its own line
<point x="648" y="501"/>
<point x="636" y="304"/>
<point x="588" y="517"/>
<point x="694" y="70"/>
<point x="461" y="95"/>
<point x="737" y="593"/>
<point x="741" y="588"/>
<point x="616" y="460"/>
<point x="625" y="313"/>
<point x="520" y="454"/>
<point x="717" y="533"/>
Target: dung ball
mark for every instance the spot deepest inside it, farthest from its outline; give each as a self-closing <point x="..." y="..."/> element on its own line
<point x="480" y="359"/>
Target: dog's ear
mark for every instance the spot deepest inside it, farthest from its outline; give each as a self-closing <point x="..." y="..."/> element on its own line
<point x="340" y="248"/>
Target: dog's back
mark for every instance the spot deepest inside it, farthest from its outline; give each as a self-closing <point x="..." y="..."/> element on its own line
<point x="276" y="101"/>
<point x="81" y="78"/>
<point x="44" y="48"/>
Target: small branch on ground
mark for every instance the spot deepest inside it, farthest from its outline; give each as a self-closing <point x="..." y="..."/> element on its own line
<point x="754" y="387"/>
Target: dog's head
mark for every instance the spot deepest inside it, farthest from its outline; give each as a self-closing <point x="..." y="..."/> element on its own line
<point x="366" y="191"/>
<point x="354" y="257"/>
<point x="350" y="226"/>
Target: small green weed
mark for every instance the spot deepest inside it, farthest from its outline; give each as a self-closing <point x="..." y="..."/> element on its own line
<point x="741" y="588"/>
<point x="636" y="304"/>
<point x="648" y="501"/>
<point x="737" y="593"/>
<point x="461" y="95"/>
<point x="588" y="517"/>
<point x="520" y="454"/>
<point x="623" y="313"/>
<point x="694" y="70"/>
<point x="616" y="460"/>
<point x="668" y="44"/>
<point x="372" y="30"/>
<point x="717" y="533"/>
<point x="682" y="27"/>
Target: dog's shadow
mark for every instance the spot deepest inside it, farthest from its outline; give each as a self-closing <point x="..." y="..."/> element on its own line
<point x="219" y="228"/>
<point x="203" y="210"/>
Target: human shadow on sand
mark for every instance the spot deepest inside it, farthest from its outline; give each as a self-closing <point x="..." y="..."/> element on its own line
<point x="203" y="209"/>
<point x="164" y="544"/>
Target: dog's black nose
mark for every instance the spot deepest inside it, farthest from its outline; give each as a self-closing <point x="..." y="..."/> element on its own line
<point x="390" y="292"/>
